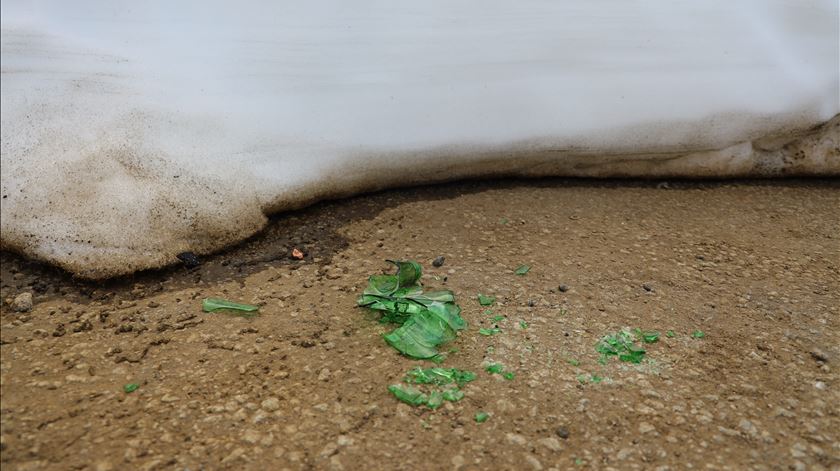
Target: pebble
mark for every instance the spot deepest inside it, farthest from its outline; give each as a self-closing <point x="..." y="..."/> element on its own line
<point x="562" y="432"/>
<point x="533" y="462"/>
<point x="324" y="375"/>
<point x="251" y="436"/>
<point x="271" y="404"/>
<point x="645" y="427"/>
<point x="22" y="302"/>
<point x="748" y="427"/>
<point x="819" y="355"/>
<point x="563" y="288"/>
<point x="438" y="262"/>
<point x="551" y="443"/>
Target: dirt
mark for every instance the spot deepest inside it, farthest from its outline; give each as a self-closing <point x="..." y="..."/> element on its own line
<point x="753" y="265"/>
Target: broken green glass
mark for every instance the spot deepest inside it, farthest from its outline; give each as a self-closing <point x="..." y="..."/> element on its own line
<point x="439" y="376"/>
<point x="130" y="387"/>
<point x="408" y="394"/>
<point x="497" y="318"/>
<point x="453" y="395"/>
<point x="215" y="304"/>
<point x="481" y="417"/>
<point x="435" y="400"/>
<point x="620" y="344"/>
<point x="698" y="334"/>
<point x="573" y="362"/>
<point x="670" y="334"/>
<point x="499" y="369"/>
<point x="650" y="336"/>
<point x="420" y="335"/>
<point x="522" y="270"/>
<point x="438" y="359"/>
<point x="494" y="368"/>
<point x="489" y="332"/>
<point x="427" y="319"/>
<point x="435" y="377"/>
<point x="523" y="324"/>
<point x="486" y="300"/>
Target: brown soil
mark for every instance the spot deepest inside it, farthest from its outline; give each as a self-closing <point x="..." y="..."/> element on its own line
<point x="754" y="265"/>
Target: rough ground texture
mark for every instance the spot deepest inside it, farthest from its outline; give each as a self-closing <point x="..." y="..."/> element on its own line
<point x="754" y="265"/>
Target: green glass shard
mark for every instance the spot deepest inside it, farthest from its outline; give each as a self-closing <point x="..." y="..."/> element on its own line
<point x="420" y="335"/>
<point x="670" y="334"/>
<point x="486" y="300"/>
<point x="523" y="324"/>
<point x="620" y="344"/>
<point x="215" y="304"/>
<point x="481" y="417"/>
<point x="408" y="272"/>
<point x="522" y="270"/>
<point x="573" y="362"/>
<point x="426" y="319"/>
<point x="440" y="376"/>
<point x="698" y="334"/>
<point x="435" y="400"/>
<point x="489" y="332"/>
<point x="408" y="394"/>
<point x="382" y="285"/>
<point x="453" y="395"/>
<point x="130" y="387"/>
<point x="650" y="336"/>
<point x="508" y="375"/>
<point x="494" y="368"/>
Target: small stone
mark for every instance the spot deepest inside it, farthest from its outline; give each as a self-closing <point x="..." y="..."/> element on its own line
<point x="747" y="427"/>
<point x="645" y="427"/>
<point x="562" y="432"/>
<point x="819" y="355"/>
<point x="189" y="259"/>
<point x="259" y="417"/>
<point x="169" y="398"/>
<point x="516" y="439"/>
<point x="271" y="404"/>
<point x="438" y="262"/>
<point x="819" y="385"/>
<point x="624" y="453"/>
<point x="234" y="455"/>
<point x="329" y="450"/>
<point x="533" y="462"/>
<point x="104" y="466"/>
<point x="551" y="443"/>
<point x="251" y="436"/>
<point x="22" y="302"/>
<point x="59" y="330"/>
<point x="563" y="288"/>
<point x="648" y="287"/>
<point x="324" y="375"/>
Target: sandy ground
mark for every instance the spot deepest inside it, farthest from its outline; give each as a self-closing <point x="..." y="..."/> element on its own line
<point x="754" y="265"/>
